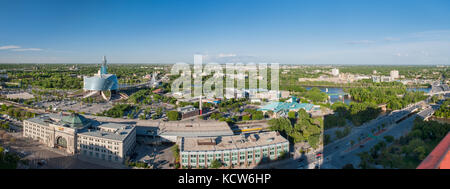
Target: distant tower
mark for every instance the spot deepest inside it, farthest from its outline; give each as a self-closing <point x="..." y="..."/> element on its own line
<point x="103" y="69"/>
<point x="154" y="81"/>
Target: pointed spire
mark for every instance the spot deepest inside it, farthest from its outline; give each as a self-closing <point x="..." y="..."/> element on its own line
<point x="104" y="61"/>
<point x="103" y="69"/>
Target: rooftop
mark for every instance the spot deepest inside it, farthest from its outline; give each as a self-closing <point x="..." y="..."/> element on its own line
<point x="23" y="95"/>
<point x="71" y="121"/>
<point x="194" y="128"/>
<point x="84" y="126"/>
<point x="207" y="128"/>
<point x="75" y="120"/>
<point x="113" y="131"/>
<point x="231" y="142"/>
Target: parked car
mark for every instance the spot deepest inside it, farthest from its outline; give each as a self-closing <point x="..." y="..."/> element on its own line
<point x="318" y="155"/>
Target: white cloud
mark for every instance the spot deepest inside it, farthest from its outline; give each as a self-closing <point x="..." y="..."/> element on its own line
<point x="230" y="58"/>
<point x="9" y="47"/>
<point x="391" y="39"/>
<point x="222" y="55"/>
<point x="27" y="49"/>
<point x="360" y="42"/>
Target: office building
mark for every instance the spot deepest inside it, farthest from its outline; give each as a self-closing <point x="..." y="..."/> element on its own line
<point x="237" y="150"/>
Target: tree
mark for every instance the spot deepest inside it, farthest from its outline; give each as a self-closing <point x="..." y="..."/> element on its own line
<point x="258" y="115"/>
<point x="348" y="166"/>
<point x="388" y="138"/>
<point x="292" y="115"/>
<point x="176" y="153"/>
<point x="215" y="164"/>
<point x="326" y="139"/>
<point x="173" y="115"/>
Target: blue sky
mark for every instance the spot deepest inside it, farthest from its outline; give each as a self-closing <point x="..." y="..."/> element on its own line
<point x="283" y="31"/>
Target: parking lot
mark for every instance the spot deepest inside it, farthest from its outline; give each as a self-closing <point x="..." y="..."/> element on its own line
<point x="157" y="156"/>
<point x="42" y="157"/>
<point x="91" y="108"/>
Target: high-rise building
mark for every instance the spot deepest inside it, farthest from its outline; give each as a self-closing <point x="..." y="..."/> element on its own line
<point x="394" y="74"/>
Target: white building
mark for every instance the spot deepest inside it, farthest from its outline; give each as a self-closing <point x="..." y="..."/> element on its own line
<point x="394" y="74"/>
<point x="335" y="72"/>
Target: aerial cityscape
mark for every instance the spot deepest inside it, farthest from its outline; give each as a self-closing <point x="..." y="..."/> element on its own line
<point x="188" y="85"/>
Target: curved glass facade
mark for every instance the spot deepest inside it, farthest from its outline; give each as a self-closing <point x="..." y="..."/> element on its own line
<point x="101" y="82"/>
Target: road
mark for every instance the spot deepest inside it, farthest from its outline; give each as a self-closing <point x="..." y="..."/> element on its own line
<point x="341" y="152"/>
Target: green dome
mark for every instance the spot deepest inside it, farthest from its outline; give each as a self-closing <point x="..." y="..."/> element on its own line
<point x="75" y="120"/>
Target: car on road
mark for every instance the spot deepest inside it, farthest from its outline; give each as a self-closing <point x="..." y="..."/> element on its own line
<point x="318" y="155"/>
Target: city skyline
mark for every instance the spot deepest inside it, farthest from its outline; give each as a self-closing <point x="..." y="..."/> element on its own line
<point x="286" y="32"/>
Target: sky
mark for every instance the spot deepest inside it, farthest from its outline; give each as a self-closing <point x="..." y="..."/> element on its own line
<point x="375" y="32"/>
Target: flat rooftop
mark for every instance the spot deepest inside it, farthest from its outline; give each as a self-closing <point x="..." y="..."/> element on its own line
<point x="107" y="130"/>
<point x="112" y="131"/>
<point x="230" y="142"/>
<point x="23" y="95"/>
<point x="192" y="128"/>
<point x="187" y="128"/>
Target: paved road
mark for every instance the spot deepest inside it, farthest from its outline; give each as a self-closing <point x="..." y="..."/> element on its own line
<point x="341" y="153"/>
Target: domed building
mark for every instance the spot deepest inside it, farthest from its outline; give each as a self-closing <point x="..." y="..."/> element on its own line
<point x="76" y="134"/>
<point x="75" y="121"/>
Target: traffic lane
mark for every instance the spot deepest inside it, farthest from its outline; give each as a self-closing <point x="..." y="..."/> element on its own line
<point x="352" y="157"/>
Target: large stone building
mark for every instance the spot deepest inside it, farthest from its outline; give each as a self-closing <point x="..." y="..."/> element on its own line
<point x="248" y="149"/>
<point x="76" y="134"/>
